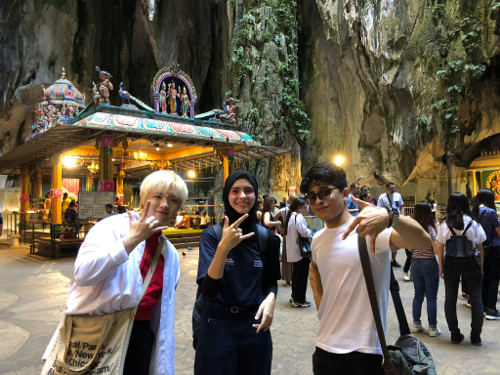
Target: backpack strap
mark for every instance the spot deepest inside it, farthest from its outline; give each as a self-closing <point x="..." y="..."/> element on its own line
<point x="218" y="231"/>
<point x="467" y="227"/>
<point x="453" y="233"/>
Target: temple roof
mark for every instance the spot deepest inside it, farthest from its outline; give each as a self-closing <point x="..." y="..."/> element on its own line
<point x="63" y="91"/>
<point x="489" y="160"/>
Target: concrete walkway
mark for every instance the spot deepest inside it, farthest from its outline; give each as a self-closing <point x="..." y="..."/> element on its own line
<point x="33" y="292"/>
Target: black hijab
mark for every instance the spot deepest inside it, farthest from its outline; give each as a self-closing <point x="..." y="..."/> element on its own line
<point x="248" y="224"/>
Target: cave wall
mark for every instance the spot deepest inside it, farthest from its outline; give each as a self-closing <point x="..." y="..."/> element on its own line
<point x="372" y="81"/>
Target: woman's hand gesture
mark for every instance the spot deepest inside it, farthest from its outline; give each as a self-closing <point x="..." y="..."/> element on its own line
<point x="141" y="230"/>
<point x="232" y="235"/>
<point x="266" y="309"/>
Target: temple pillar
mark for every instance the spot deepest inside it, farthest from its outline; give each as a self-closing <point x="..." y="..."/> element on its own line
<point x="39" y="176"/>
<point x="90" y="183"/>
<point x="106" y="163"/>
<point x="25" y="191"/>
<point x="227" y="162"/>
<point x="119" y="185"/>
<point x="56" y="193"/>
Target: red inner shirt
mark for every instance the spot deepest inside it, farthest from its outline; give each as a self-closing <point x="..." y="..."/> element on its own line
<point x="153" y="293"/>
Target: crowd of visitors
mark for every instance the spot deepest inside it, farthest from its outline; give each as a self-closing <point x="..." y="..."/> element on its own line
<point x="239" y="266"/>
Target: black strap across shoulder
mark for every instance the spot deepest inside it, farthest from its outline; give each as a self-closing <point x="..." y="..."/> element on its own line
<point x="404" y="329"/>
<point x="453" y="233"/>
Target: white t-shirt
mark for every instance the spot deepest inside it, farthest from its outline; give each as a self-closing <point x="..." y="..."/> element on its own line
<point x="475" y="233"/>
<point x="346" y="322"/>
<point x="205" y="220"/>
<point x="296" y="226"/>
<point x="396" y="200"/>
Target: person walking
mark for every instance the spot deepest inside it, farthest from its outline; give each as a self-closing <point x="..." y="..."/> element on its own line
<point x="351" y="206"/>
<point x="295" y="226"/>
<point x="268" y="220"/>
<point x="112" y="264"/>
<point x="425" y="271"/>
<point x="484" y="211"/>
<point x="458" y="222"/>
<point x="238" y="280"/>
<point x="286" y="265"/>
<point x="392" y="199"/>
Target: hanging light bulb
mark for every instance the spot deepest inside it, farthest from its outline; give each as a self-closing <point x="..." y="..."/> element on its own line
<point x="169" y="144"/>
<point x="191" y="174"/>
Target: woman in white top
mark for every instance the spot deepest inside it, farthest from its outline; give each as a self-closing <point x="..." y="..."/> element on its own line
<point x="295" y="226"/>
<point x="111" y="266"/>
<point x="458" y="219"/>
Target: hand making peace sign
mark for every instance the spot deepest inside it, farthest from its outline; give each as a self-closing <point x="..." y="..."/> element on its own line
<point x="232" y="235"/>
<point x="142" y="229"/>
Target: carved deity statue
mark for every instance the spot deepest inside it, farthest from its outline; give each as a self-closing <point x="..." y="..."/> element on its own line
<point x="101" y="90"/>
<point x="185" y="103"/>
<point x="231" y="106"/>
<point x="163" y="98"/>
<point x="173" y="98"/>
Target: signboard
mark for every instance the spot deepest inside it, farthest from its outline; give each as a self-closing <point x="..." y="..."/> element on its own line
<point x="25" y="197"/>
<point x="56" y="193"/>
<point x="106" y="185"/>
<point x="91" y="204"/>
<point x="292" y="190"/>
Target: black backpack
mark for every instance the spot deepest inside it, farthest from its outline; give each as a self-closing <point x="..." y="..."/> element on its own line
<point x="263" y="235"/>
<point x="460" y="257"/>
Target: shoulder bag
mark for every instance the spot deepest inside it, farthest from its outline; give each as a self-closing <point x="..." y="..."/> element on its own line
<point x="304" y="244"/>
<point x="95" y="344"/>
<point x="409" y="355"/>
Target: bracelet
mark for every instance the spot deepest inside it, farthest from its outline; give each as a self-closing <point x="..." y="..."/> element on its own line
<point x="391" y="216"/>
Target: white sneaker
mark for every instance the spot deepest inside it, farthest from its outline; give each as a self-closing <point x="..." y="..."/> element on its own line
<point x="416" y="328"/>
<point x="434" y="332"/>
<point x="406" y="277"/>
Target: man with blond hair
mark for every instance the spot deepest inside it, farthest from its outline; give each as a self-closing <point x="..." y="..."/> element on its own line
<point x="113" y="262"/>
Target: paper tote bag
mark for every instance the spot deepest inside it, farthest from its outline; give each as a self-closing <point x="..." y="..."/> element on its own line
<point x="95" y="344"/>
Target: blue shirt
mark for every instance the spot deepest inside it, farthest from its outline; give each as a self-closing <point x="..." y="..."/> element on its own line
<point x="489" y="222"/>
<point x="352" y="206"/>
<point x="242" y="280"/>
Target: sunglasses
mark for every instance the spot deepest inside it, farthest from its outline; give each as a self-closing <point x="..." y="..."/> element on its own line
<point x="323" y="194"/>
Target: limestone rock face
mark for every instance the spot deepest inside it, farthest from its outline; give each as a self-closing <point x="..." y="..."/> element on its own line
<point x="394" y="85"/>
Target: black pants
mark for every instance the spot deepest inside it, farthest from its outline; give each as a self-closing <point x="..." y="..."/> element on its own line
<point x="406" y="267"/>
<point x="491" y="277"/>
<point x="139" y="349"/>
<point x="300" y="274"/>
<point x="229" y="345"/>
<point x="474" y="285"/>
<point x="354" y="363"/>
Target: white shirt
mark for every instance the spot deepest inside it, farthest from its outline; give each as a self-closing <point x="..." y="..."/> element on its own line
<point x="396" y="200"/>
<point x="107" y="280"/>
<point x="346" y="322"/>
<point x="296" y="226"/>
<point x="205" y="220"/>
<point x="475" y="233"/>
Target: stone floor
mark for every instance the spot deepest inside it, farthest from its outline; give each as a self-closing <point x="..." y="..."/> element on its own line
<point x="33" y="292"/>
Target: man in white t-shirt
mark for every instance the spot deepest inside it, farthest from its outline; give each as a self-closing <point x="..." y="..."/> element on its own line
<point x="347" y="338"/>
<point x="392" y="199"/>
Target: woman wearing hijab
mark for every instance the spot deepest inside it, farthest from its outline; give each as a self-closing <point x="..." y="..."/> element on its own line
<point x="239" y="282"/>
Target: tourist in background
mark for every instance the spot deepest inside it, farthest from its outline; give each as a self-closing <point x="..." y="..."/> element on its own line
<point x="71" y="214"/>
<point x="286" y="265"/>
<point x="295" y="226"/>
<point x="353" y="192"/>
<point x="373" y="200"/>
<point x="239" y="283"/>
<point x="119" y="209"/>
<point x="267" y="215"/>
<point x="109" y="209"/>
<point x="392" y="199"/>
<point x="205" y="220"/>
<point x="65" y="202"/>
<point x="425" y="272"/>
<point x="484" y="211"/>
<point x="458" y="217"/>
